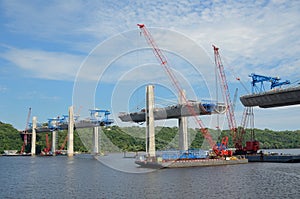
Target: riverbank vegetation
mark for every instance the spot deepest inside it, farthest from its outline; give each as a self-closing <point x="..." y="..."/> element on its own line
<point x="133" y="138"/>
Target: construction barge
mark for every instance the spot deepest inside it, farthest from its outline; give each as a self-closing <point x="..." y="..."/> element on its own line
<point x="273" y="157"/>
<point x="190" y="158"/>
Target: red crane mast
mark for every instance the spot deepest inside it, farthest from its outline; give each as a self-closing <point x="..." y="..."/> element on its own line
<point x="238" y="134"/>
<point x="26" y="131"/>
<point x="163" y="61"/>
<point x="252" y="145"/>
<point x="226" y="95"/>
<point x="62" y="146"/>
<point x="47" y="149"/>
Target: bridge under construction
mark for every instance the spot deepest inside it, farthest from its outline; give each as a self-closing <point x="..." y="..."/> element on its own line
<point x="67" y="123"/>
<point x="176" y="111"/>
<point x="273" y="98"/>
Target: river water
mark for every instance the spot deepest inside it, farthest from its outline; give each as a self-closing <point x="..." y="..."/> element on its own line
<point x="112" y="176"/>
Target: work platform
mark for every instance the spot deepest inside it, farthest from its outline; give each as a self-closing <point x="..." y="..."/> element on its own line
<point x="176" y="111"/>
<point x="77" y="125"/>
<point x="273" y="98"/>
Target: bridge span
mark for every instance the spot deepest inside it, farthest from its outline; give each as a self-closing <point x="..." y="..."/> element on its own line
<point x="180" y="111"/>
<point x="77" y="125"/>
<point x="176" y="111"/>
<point x="70" y="124"/>
<point x="273" y="98"/>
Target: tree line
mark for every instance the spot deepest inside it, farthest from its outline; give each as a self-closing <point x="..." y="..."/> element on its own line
<point x="116" y="138"/>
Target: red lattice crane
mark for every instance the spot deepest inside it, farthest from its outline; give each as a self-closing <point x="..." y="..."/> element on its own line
<point x="47" y="149"/>
<point x="59" y="152"/>
<point x="252" y="145"/>
<point x="238" y="134"/>
<point x="226" y="96"/>
<point x="164" y="63"/>
<point x="25" y="138"/>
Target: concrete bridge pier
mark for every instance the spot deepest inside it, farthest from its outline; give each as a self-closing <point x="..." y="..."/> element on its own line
<point x="183" y="134"/>
<point x="70" y="150"/>
<point x="95" y="140"/>
<point x="182" y="123"/>
<point x="33" y="136"/>
<point x="150" y="130"/>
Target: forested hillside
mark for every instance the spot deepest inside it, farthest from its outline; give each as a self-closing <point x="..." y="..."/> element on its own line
<point x="133" y="139"/>
<point x="9" y="138"/>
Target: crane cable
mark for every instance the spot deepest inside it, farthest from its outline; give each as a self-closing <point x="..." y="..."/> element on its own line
<point x="235" y="75"/>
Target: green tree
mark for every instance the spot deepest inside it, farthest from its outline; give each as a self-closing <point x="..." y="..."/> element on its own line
<point x="10" y="138"/>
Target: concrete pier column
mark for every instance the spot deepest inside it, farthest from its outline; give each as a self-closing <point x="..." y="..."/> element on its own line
<point x="53" y="148"/>
<point x="33" y="136"/>
<point x="150" y="131"/>
<point x="182" y="122"/>
<point x="183" y="135"/>
<point x="95" y="140"/>
<point x="71" y="132"/>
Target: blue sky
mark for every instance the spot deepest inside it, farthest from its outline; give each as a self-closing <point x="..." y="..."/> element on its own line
<point x="48" y="48"/>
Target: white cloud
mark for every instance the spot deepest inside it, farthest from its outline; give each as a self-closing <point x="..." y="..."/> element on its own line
<point x="253" y="36"/>
<point x="43" y="64"/>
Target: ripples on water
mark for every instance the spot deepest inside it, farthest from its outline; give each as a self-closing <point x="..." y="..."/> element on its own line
<point x="84" y="177"/>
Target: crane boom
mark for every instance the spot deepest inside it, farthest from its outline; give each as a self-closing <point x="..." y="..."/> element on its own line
<point x="59" y="152"/>
<point x="252" y="145"/>
<point x="28" y="118"/>
<point x="26" y="127"/>
<point x="164" y="63"/>
<point x="240" y="134"/>
<point x="226" y="95"/>
<point x="47" y="143"/>
<point x="26" y="131"/>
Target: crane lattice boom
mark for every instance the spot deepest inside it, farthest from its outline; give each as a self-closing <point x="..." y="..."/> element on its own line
<point x="26" y="131"/>
<point x="226" y="95"/>
<point x="163" y="61"/>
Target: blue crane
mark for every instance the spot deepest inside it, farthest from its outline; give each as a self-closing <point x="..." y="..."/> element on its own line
<point x="256" y="79"/>
<point x="55" y="123"/>
<point x="103" y="119"/>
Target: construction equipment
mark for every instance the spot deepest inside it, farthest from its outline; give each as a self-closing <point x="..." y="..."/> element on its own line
<point x="58" y="123"/>
<point x="103" y="120"/>
<point x="25" y="132"/>
<point x="261" y="79"/>
<point x="252" y="145"/>
<point x="226" y="95"/>
<point x="59" y="152"/>
<point x="164" y="63"/>
<point x="46" y="151"/>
